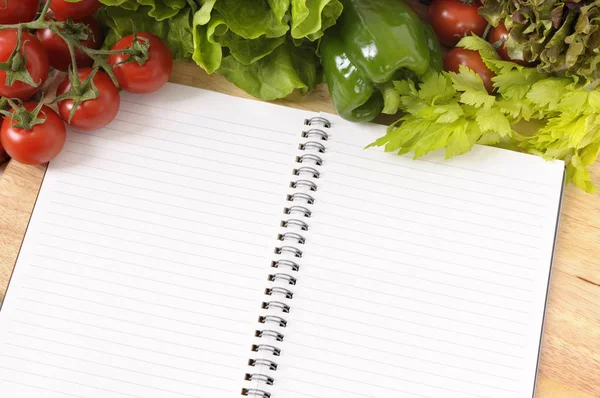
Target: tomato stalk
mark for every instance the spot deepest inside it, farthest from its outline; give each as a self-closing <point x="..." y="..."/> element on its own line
<point x="15" y="67"/>
<point x="21" y="117"/>
<point x="80" y="90"/>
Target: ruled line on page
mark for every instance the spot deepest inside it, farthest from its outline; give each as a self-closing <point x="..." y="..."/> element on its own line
<point x="256" y="233"/>
<point x="386" y="388"/>
<point x="136" y="335"/>
<point x="330" y="387"/>
<point x="119" y="355"/>
<point x="425" y="302"/>
<point x="148" y="290"/>
<point x="438" y="195"/>
<point x="121" y="368"/>
<point x="196" y="266"/>
<point x="420" y="312"/>
<point x="420" y="323"/>
<point x="408" y="243"/>
<point x="421" y="256"/>
<point x="71" y="382"/>
<point x="413" y="232"/>
<point x="443" y="164"/>
<point x="41" y="388"/>
<point x="121" y="217"/>
<point x="155" y="116"/>
<point x="257" y="211"/>
<point x="436" y="185"/>
<point x="163" y="171"/>
<point x="118" y="118"/>
<point x="399" y="353"/>
<point x="69" y="239"/>
<point x="301" y="393"/>
<point x="121" y="173"/>
<point x="196" y="244"/>
<point x="130" y="309"/>
<point x="395" y="218"/>
<point x="396" y="366"/>
<point x="253" y="222"/>
<point x="178" y="153"/>
<point x="45" y="327"/>
<point x="80" y="264"/>
<point x="20" y="333"/>
<point x="98" y="376"/>
<point x="103" y="316"/>
<point x="390" y="364"/>
<point x="404" y="344"/>
<point x="397" y="165"/>
<point x="194" y="371"/>
<point x="118" y="296"/>
<point x="431" y="214"/>
<point x="162" y="317"/>
<point x="486" y="339"/>
<point x="196" y="136"/>
<point x="242" y="166"/>
<point x="420" y="266"/>
<point x="386" y="282"/>
<point x="164" y="271"/>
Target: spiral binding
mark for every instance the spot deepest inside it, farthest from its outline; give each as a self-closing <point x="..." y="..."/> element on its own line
<point x="286" y="265"/>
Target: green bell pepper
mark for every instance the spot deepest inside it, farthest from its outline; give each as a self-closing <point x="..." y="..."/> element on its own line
<point x="373" y="44"/>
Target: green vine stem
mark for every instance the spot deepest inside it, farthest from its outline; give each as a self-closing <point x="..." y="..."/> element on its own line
<point x="98" y="56"/>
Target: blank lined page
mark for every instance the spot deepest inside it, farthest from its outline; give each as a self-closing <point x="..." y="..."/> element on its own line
<point x="422" y="278"/>
<point x="142" y="271"/>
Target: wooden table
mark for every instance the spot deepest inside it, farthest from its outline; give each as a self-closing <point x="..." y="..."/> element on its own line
<point x="570" y="365"/>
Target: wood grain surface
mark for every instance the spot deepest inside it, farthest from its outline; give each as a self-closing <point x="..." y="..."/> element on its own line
<point x="570" y="362"/>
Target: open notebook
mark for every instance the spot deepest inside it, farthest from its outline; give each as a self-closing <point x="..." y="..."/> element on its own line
<point x="210" y="246"/>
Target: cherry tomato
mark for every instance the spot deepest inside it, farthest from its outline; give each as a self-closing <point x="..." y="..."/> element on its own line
<point x="497" y="37"/>
<point x="58" y="51"/>
<point x="453" y="19"/>
<point x="17" y="11"/>
<point x="472" y="60"/>
<point x="39" y="145"/>
<point x="146" y="78"/>
<point x="95" y="113"/>
<point x="80" y="9"/>
<point x="36" y="63"/>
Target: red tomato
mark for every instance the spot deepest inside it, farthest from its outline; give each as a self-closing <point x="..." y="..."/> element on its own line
<point x="39" y="145"/>
<point x="146" y="78"/>
<point x="36" y="63"/>
<point x="497" y="37"/>
<point x="58" y="51"/>
<point x="453" y="19"/>
<point x="472" y="60"/>
<point x="17" y="11"/>
<point x="95" y="113"/>
<point x="80" y="9"/>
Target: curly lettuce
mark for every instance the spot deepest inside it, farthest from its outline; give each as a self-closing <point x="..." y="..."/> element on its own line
<point x="563" y="37"/>
<point x="266" y="47"/>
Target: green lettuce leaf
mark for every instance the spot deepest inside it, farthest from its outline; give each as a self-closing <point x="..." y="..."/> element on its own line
<point x="175" y="31"/>
<point x="266" y="47"/>
<point x="277" y="75"/>
<point x="310" y="18"/>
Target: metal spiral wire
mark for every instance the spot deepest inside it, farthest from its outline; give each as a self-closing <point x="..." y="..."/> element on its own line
<point x="286" y="265"/>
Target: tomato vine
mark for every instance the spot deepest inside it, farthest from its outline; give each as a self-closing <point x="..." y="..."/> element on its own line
<point x="88" y="98"/>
